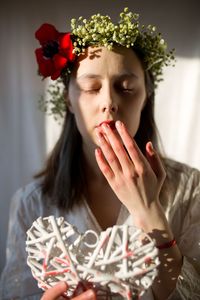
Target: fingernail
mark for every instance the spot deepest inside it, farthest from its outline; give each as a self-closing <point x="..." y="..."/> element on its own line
<point x="90" y="294"/>
<point x="99" y="136"/>
<point x="98" y="151"/>
<point x="105" y="126"/>
<point x="119" y="124"/>
<point x="151" y="148"/>
<point x="63" y="284"/>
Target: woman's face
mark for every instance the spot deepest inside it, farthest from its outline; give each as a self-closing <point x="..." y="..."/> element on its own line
<point x="106" y="85"/>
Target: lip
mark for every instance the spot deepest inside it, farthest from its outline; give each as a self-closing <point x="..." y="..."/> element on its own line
<point x="111" y="123"/>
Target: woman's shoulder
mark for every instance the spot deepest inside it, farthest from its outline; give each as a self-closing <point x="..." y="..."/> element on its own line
<point x="182" y="185"/>
<point x="180" y="172"/>
<point x="29" y="191"/>
<point x="28" y="199"/>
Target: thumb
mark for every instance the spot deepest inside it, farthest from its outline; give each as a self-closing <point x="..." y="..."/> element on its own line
<point x="55" y="292"/>
<point x="155" y="163"/>
<point x="88" y="295"/>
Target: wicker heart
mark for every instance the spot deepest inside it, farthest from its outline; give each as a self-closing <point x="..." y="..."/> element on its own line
<point x="122" y="260"/>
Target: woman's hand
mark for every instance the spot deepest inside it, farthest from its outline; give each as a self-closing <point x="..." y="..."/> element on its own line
<point x="57" y="292"/>
<point x="136" y="179"/>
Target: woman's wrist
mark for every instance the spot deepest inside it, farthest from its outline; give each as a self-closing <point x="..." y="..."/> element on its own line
<point x="150" y="218"/>
<point x="153" y="221"/>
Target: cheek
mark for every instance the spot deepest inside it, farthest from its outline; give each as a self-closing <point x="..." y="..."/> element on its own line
<point x="80" y="101"/>
<point x="134" y="123"/>
<point x="85" y="108"/>
<point x="133" y="115"/>
<point x="136" y="105"/>
<point x="83" y="113"/>
<point x="76" y="104"/>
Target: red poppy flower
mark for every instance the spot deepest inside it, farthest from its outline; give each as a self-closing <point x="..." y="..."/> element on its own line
<point x="55" y="53"/>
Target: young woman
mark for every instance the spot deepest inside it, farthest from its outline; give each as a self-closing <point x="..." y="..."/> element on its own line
<point x="106" y="168"/>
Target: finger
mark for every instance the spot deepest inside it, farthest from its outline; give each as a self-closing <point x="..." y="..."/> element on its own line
<point x="155" y="162"/>
<point x="108" y="153"/>
<point x="103" y="165"/>
<point x="88" y="295"/>
<point x="55" y="292"/>
<point x="133" y="150"/>
<point x="117" y="146"/>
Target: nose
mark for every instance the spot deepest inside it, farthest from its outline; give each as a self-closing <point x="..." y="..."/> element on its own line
<point x="109" y="101"/>
<point x="112" y="107"/>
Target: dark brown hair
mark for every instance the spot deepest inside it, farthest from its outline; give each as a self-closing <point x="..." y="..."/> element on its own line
<point x="62" y="179"/>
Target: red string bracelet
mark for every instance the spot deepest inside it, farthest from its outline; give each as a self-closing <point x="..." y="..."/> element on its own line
<point x="167" y="245"/>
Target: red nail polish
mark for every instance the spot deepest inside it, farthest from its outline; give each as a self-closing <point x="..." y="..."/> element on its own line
<point x="105" y="126"/>
<point x="151" y="148"/>
<point x="98" y="151"/>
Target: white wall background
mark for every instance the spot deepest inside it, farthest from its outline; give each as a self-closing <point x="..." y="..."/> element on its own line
<point x="26" y="135"/>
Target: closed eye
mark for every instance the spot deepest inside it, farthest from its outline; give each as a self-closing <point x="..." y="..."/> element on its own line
<point x="126" y="90"/>
<point x="92" y="91"/>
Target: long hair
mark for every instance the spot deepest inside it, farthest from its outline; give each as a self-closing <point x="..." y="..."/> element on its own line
<point x="63" y="180"/>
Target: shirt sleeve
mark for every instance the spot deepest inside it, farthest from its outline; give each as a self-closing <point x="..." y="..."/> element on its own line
<point x="188" y="285"/>
<point x="16" y="279"/>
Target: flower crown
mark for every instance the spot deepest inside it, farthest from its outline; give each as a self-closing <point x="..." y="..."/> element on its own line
<point x="58" y="50"/>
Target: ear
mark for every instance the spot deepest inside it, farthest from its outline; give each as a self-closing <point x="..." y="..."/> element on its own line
<point x="67" y="101"/>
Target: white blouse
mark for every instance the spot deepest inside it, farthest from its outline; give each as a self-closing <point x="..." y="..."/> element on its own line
<point x="180" y="198"/>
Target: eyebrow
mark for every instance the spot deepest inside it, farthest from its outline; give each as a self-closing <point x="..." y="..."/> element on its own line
<point x="96" y="76"/>
<point x="88" y="76"/>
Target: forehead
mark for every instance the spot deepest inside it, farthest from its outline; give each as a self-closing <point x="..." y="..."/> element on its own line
<point x="103" y="62"/>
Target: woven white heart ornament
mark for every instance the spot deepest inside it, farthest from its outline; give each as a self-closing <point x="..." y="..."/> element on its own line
<point x="122" y="260"/>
